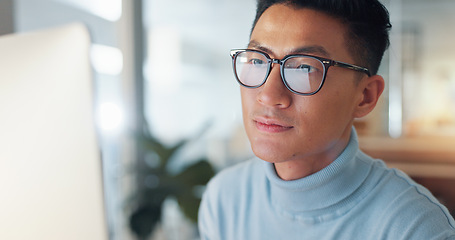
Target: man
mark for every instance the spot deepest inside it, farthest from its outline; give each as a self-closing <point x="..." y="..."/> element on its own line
<point x="308" y="72"/>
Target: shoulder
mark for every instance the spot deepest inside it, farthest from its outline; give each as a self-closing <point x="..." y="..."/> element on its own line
<point x="224" y="196"/>
<point x="405" y="208"/>
<point x="229" y="180"/>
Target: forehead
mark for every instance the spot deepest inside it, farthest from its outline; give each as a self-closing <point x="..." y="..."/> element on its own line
<point x="283" y="30"/>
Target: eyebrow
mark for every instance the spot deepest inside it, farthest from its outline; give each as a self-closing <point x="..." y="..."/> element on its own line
<point x="313" y="49"/>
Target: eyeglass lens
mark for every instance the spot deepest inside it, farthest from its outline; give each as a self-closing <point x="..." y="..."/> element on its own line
<point x="302" y="74"/>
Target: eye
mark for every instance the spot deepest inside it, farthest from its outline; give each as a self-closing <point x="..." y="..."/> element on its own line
<point x="307" y="68"/>
<point x="304" y="64"/>
<point x="302" y="67"/>
<point x="256" y="61"/>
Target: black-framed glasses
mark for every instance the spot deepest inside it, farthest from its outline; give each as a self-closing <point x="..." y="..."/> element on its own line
<point x="301" y="74"/>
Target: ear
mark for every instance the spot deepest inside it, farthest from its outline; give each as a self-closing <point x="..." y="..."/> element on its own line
<point x="371" y="89"/>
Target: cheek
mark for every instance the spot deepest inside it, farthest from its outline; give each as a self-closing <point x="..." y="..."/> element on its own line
<point x="248" y="98"/>
<point x="248" y="101"/>
<point x="245" y="101"/>
<point x="326" y="112"/>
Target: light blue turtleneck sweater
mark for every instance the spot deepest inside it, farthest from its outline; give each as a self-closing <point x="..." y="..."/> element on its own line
<point x="355" y="197"/>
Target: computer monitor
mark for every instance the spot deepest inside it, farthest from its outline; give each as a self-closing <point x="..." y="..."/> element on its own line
<point x="50" y="166"/>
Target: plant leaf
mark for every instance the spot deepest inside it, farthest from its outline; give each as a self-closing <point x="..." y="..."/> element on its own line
<point x="193" y="176"/>
<point x="198" y="173"/>
<point x="144" y="219"/>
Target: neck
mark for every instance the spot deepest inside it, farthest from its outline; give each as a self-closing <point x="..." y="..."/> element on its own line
<point x="293" y="170"/>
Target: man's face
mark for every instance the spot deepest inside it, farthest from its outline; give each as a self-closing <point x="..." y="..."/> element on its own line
<point x="283" y="126"/>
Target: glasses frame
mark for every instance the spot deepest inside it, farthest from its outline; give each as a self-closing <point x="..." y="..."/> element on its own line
<point x="327" y="63"/>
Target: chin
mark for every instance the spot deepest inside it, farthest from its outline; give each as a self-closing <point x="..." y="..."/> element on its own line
<point x="269" y="152"/>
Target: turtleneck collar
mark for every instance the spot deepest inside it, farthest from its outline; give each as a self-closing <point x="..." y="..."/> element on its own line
<point x="324" y="194"/>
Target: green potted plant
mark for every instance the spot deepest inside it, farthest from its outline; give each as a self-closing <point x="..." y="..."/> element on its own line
<point x="157" y="183"/>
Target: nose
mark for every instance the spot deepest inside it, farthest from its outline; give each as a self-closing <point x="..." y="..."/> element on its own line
<point x="274" y="93"/>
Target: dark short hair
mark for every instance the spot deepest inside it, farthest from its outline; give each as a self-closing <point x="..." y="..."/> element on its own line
<point x="367" y="21"/>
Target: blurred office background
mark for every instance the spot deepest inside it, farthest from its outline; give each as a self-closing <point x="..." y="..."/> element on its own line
<point x="164" y="66"/>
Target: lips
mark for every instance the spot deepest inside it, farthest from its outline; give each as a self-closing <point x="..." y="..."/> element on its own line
<point x="271" y="125"/>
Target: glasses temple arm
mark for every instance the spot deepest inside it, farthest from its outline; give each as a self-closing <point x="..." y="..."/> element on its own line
<point x="352" y="67"/>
